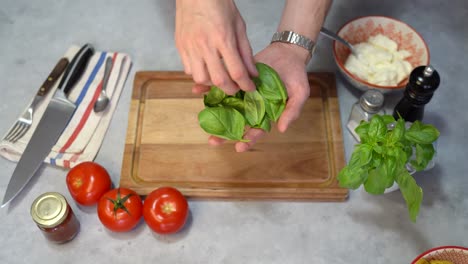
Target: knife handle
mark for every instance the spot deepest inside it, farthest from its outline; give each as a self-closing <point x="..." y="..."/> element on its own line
<point x="53" y="77"/>
<point x="76" y="68"/>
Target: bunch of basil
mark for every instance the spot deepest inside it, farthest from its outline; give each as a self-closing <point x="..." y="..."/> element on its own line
<point x="227" y="116"/>
<point x="386" y="147"/>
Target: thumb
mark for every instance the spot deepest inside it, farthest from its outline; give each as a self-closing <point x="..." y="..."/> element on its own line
<point x="291" y="112"/>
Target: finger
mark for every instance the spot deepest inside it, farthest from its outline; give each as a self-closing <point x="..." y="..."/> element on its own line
<point x="186" y="62"/>
<point x="236" y="68"/>
<point x="199" y="72"/>
<point x="246" y="50"/>
<point x="291" y="112"/>
<point x="200" y="89"/>
<point x="252" y="135"/>
<point x="215" y="141"/>
<point x="218" y="74"/>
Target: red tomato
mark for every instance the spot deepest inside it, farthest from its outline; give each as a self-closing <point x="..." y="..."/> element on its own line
<point x="87" y="182"/>
<point x="165" y="210"/>
<point x="120" y="209"/>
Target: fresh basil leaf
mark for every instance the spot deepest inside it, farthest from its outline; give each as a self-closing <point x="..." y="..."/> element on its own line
<point x="362" y="156"/>
<point x="269" y="84"/>
<point x="265" y="124"/>
<point x="235" y="103"/>
<point x="388" y="119"/>
<point x="377" y="148"/>
<point x="362" y="130"/>
<point x="351" y="178"/>
<point x="377" y="128"/>
<point x="274" y="109"/>
<point x="254" y="108"/>
<point x="424" y="154"/>
<point x="388" y="171"/>
<point x="214" y="97"/>
<point x="422" y="133"/>
<point x="412" y="193"/>
<point x="397" y="132"/>
<point x="374" y="183"/>
<point x="222" y="122"/>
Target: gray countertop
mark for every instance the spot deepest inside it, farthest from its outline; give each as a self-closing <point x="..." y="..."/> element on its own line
<point x="364" y="229"/>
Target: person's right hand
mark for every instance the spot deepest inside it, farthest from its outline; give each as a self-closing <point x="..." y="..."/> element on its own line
<point x="212" y="41"/>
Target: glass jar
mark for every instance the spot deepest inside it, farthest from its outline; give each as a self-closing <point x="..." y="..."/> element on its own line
<point x="54" y="217"/>
<point x="370" y="103"/>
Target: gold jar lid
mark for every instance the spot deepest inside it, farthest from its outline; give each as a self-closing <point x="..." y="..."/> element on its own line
<point x="49" y="209"/>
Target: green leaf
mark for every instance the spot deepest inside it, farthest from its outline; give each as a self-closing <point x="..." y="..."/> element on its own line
<point x="269" y="84"/>
<point x="274" y="109"/>
<point x="214" y="97"/>
<point x="362" y="130"/>
<point x="235" y="103"/>
<point x="351" y="178"/>
<point x="222" y="122"/>
<point x="397" y="133"/>
<point x="411" y="192"/>
<point x="254" y="108"/>
<point x="388" y="119"/>
<point x="265" y="124"/>
<point x="388" y="170"/>
<point x="422" y="133"/>
<point x="424" y="154"/>
<point x="374" y="183"/>
<point x="377" y="128"/>
<point x="240" y="94"/>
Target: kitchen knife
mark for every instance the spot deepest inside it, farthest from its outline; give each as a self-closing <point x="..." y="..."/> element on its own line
<point x="50" y="127"/>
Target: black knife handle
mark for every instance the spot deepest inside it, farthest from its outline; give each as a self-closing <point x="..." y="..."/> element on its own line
<point x="76" y="68"/>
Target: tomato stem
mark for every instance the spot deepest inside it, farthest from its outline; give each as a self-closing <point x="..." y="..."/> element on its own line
<point x="119" y="203"/>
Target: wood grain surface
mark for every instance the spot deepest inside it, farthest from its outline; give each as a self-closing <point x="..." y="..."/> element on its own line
<point x="166" y="147"/>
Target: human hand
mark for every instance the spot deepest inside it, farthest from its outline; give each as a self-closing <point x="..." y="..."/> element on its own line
<point x="212" y="41"/>
<point x="289" y="61"/>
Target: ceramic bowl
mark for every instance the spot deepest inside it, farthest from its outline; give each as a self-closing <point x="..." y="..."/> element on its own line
<point x="455" y="254"/>
<point x="360" y="29"/>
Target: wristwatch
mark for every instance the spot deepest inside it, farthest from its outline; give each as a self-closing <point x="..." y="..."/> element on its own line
<point x="296" y="39"/>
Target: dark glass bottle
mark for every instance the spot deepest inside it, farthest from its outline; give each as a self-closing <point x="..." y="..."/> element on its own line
<point x="423" y="81"/>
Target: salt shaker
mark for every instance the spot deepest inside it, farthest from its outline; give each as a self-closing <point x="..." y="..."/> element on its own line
<point x="370" y="103"/>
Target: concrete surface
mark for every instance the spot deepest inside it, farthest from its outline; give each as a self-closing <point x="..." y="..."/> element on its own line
<point x="364" y="229"/>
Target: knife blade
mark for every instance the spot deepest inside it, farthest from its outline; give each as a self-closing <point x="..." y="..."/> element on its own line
<point x="56" y="116"/>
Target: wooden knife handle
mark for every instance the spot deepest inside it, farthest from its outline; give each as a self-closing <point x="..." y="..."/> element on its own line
<point x="76" y="68"/>
<point x="53" y="77"/>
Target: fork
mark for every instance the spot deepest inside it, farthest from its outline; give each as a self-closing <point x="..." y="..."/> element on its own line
<point x="22" y="125"/>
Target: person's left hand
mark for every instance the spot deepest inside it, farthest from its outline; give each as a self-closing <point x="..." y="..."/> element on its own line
<point x="289" y="61"/>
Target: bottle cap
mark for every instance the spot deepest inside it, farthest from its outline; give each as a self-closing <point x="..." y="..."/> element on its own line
<point x="372" y="101"/>
<point x="49" y="209"/>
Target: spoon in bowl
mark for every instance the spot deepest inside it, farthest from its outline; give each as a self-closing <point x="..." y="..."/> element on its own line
<point x="332" y="35"/>
<point x="103" y="100"/>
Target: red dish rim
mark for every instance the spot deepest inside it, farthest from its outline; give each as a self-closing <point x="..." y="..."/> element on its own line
<point x="340" y="64"/>
<point x="435" y="249"/>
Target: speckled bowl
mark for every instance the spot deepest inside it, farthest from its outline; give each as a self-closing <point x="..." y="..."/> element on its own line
<point x="360" y="29"/>
<point x="455" y="254"/>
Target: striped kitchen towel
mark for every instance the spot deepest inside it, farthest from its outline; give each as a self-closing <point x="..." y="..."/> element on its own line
<point x="83" y="136"/>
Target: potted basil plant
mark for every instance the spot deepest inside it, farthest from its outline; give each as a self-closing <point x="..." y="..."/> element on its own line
<point x="388" y="147"/>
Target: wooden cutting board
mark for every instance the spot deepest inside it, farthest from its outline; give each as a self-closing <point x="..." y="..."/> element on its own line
<point x="165" y="146"/>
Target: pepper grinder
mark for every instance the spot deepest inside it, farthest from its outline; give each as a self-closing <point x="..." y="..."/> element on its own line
<point x="370" y="103"/>
<point x="423" y="82"/>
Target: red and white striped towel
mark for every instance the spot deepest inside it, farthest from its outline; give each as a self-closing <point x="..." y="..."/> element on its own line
<point x="83" y="136"/>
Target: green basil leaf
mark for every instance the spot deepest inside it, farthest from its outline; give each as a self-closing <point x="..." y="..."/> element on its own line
<point x="374" y="183"/>
<point x="240" y="94"/>
<point x="412" y="193"/>
<point x="269" y="84"/>
<point x="388" y="119"/>
<point x="424" y="154"/>
<point x="388" y="171"/>
<point x="235" y="103"/>
<point x="362" y="156"/>
<point x="254" y="108"/>
<point x="362" y="130"/>
<point x="274" y="109"/>
<point x="222" y="122"/>
<point x="422" y="133"/>
<point x="351" y="178"/>
<point x="397" y="133"/>
<point x="265" y="124"/>
<point x="214" y="97"/>
<point x="377" y="128"/>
